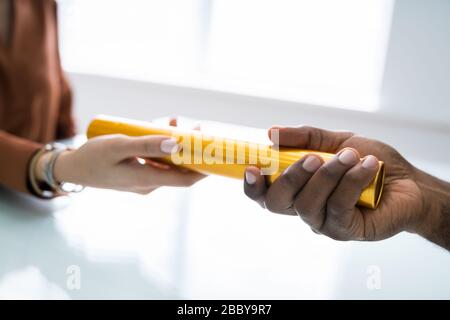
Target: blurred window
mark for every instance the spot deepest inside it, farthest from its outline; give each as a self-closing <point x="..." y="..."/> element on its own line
<point x="323" y="52"/>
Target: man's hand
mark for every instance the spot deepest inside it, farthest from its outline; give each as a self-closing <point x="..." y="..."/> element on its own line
<point x="325" y="195"/>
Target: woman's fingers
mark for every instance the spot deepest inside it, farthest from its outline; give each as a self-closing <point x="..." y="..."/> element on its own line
<point x="255" y="185"/>
<point x="152" y="174"/>
<point x="280" y="196"/>
<point x="156" y="164"/>
<point x="342" y="222"/>
<point x="124" y="147"/>
<point x="310" y="203"/>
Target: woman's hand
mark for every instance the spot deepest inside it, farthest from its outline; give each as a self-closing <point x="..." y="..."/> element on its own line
<point x="112" y="162"/>
<point x="324" y="195"/>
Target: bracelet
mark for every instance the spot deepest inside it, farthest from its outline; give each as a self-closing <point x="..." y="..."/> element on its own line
<point x="37" y="188"/>
<point x="50" y="165"/>
<point x="59" y="186"/>
<point x="52" y="187"/>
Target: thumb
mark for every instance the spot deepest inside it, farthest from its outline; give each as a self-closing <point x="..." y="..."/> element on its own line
<point x="309" y="138"/>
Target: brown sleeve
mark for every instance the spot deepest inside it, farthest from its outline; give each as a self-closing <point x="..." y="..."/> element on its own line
<point x="15" y="153"/>
<point x="65" y="127"/>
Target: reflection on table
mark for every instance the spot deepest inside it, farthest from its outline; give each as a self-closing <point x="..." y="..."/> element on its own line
<point x="208" y="241"/>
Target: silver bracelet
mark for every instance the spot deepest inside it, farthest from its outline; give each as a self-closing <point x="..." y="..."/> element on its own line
<point x="60" y="187"/>
<point x="36" y="188"/>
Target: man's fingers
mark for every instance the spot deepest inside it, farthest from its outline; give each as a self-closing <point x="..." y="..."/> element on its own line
<point x="281" y="194"/>
<point x="342" y="221"/>
<point x="308" y="138"/>
<point x="310" y="202"/>
<point x="255" y="185"/>
<point x="145" y="146"/>
<point x="174" y="123"/>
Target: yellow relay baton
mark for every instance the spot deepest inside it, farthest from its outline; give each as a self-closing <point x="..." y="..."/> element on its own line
<point x="224" y="156"/>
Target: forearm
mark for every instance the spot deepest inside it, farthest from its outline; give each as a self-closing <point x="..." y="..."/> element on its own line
<point x="436" y="223"/>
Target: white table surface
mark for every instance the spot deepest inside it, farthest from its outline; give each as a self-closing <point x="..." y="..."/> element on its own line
<point x="208" y="241"/>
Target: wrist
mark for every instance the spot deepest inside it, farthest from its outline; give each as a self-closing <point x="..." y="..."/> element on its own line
<point x="434" y="216"/>
<point x="63" y="169"/>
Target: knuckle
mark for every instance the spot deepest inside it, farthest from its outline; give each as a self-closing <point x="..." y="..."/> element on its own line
<point x="349" y="133"/>
<point x="150" y="146"/>
<point x="291" y="178"/>
<point x="119" y="136"/>
<point x="109" y="137"/>
<point x="311" y="214"/>
<point x="310" y="132"/>
<point x="339" y="226"/>
<point x="328" y="172"/>
<point x="354" y="177"/>
<point x="305" y="128"/>
<point x="335" y="208"/>
<point x="117" y="139"/>
<point x="302" y="208"/>
<point x="335" y="232"/>
<point x="113" y="148"/>
<point x="116" y="143"/>
<point x="145" y="148"/>
<point x="272" y="205"/>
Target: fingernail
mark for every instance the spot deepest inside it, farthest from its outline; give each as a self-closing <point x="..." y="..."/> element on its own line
<point x="311" y="164"/>
<point x="348" y="157"/>
<point x="170" y="146"/>
<point x="250" y="178"/>
<point x="370" y="162"/>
